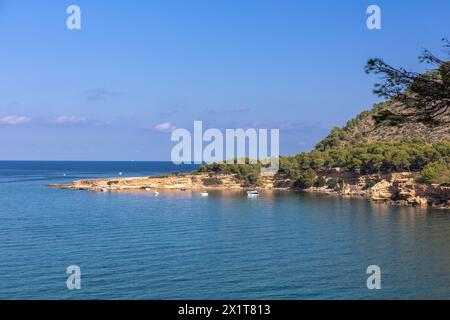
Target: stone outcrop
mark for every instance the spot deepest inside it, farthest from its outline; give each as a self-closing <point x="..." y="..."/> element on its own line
<point x="401" y="188"/>
<point x="381" y="191"/>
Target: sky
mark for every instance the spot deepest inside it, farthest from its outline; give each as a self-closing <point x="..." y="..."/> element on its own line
<point x="137" y="70"/>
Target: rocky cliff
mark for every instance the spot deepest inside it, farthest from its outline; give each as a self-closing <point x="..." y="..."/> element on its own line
<point x="395" y="188"/>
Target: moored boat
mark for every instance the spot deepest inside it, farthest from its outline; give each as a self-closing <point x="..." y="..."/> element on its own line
<point x="252" y="193"/>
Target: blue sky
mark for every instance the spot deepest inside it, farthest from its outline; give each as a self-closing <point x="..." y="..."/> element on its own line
<point x="113" y="90"/>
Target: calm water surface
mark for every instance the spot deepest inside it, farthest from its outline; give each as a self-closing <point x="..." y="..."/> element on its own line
<point x="181" y="246"/>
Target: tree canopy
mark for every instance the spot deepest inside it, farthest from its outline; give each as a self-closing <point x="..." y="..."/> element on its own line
<point x="425" y="96"/>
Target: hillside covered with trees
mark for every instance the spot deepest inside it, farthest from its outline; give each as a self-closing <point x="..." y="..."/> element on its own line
<point x="409" y="132"/>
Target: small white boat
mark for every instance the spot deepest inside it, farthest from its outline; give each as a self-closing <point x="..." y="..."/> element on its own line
<point x="120" y="173"/>
<point x="147" y="189"/>
<point x="252" y="193"/>
<point x="204" y="194"/>
<point x="104" y="190"/>
<point x="156" y="193"/>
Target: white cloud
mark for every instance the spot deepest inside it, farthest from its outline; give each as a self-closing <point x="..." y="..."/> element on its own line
<point x="14" y="120"/>
<point x="69" y="120"/>
<point x="165" y="127"/>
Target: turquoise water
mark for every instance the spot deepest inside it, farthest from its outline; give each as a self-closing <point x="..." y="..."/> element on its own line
<point x="133" y="245"/>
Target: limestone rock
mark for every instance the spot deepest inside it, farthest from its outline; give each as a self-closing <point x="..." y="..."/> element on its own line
<point x="381" y="191"/>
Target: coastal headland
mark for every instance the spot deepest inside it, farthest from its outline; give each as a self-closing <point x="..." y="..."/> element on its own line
<point x="398" y="152"/>
<point x="395" y="188"/>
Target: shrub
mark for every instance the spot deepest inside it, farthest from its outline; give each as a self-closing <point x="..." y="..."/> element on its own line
<point x="248" y="173"/>
<point x="369" y="184"/>
<point x="320" y="182"/>
<point x="335" y="183"/>
<point x="435" y="172"/>
<point x="305" y="180"/>
<point x="212" y="181"/>
<point x="250" y="179"/>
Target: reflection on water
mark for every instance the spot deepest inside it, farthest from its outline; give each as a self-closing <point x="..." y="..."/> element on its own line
<point x="280" y="245"/>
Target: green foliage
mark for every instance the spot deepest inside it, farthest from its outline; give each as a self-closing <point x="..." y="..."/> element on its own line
<point x="305" y="180"/>
<point x="252" y="178"/>
<point x="436" y="172"/>
<point x="339" y="135"/>
<point x="387" y="117"/>
<point x="443" y="148"/>
<point x="212" y="181"/>
<point x="320" y="182"/>
<point x="289" y="167"/>
<point x="369" y="184"/>
<point x="425" y="95"/>
<point x="356" y="120"/>
<point x="410" y="154"/>
<point x="332" y="140"/>
<point x="246" y="172"/>
<point x="335" y="183"/>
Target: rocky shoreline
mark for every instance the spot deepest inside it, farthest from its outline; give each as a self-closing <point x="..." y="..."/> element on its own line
<point x="395" y="188"/>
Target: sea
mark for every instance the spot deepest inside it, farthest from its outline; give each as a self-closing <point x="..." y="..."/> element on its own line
<point x="179" y="245"/>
